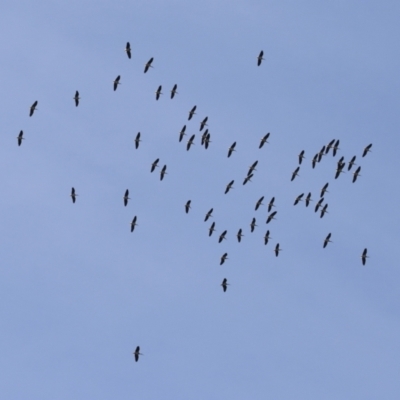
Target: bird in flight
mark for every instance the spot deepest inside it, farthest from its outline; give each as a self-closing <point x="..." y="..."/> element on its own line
<point x="259" y="203"/>
<point x="73" y="195"/>
<point x="225" y="284"/>
<point x="318" y="205"/>
<point x="137" y="353"/>
<point x="116" y="82"/>
<point x="295" y="173"/>
<point x="271" y="204"/>
<point x="301" y="156"/>
<point x="174" y="91"/>
<point x="33" y="108"/>
<point x="323" y="211"/>
<point x="148" y="65"/>
<point x="133" y="223"/>
<point x="222" y="236"/>
<point x="277" y="250"/>
<point x="324" y="189"/>
<point x="271" y="217"/>
<point x="223" y="258"/>
<point x="76" y="98"/>
<point x="187" y="206"/>
<point x="128" y="50"/>
<point x="298" y="198"/>
<point x="208" y="215"/>
<point x="126" y="197"/>
<point x="264" y="140"/>
<point x="266" y="238"/>
<point x="231" y="149"/>
<point x="211" y="229"/>
<point x="190" y="142"/>
<point x="229" y="186"/>
<point x="260" y="58"/>
<point x="367" y="150"/>
<point x="20" y="138"/>
<point x="158" y="92"/>
<point x="137" y="141"/>
<point x="192" y="112"/>
<point x="154" y="165"/>
<point x="182" y="133"/>
<point x="364" y="256"/>
<point x="308" y="199"/>
<point x="356" y="174"/>
<point x="247" y="179"/>
<point x="253" y="225"/>
<point x="203" y="123"/>
<point x="163" y="172"/>
<point x="239" y="235"/>
<point x="351" y="163"/>
<point x="327" y="240"/>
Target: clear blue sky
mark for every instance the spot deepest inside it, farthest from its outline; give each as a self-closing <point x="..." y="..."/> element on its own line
<point x="79" y="291"/>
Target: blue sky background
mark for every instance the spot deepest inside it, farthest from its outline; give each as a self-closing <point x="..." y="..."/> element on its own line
<point x="79" y="292"/>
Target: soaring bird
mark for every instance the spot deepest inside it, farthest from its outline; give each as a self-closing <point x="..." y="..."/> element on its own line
<point x="323" y="211"/>
<point x="364" y="256"/>
<point x="76" y="98"/>
<point x="298" y="198"/>
<point x="271" y="217"/>
<point x="335" y="147"/>
<point x="314" y="160"/>
<point x="211" y="229"/>
<point x="204" y="137"/>
<point x="192" y="112"/>
<point x="247" y="179"/>
<point x="223" y="258"/>
<point x="33" y="108"/>
<point x="253" y="225"/>
<point x="73" y="195"/>
<point x="324" y="189"/>
<point x="329" y="146"/>
<point x="252" y="167"/>
<point x="264" y="140"/>
<point x="260" y="58"/>
<point x="266" y="238"/>
<point x="277" y="249"/>
<point x="308" y="199"/>
<point x="190" y="142"/>
<point x="20" y="138"/>
<point x="339" y="170"/>
<point x="327" y="240"/>
<point x="126" y="197"/>
<point x="158" y="92"/>
<point x="163" y="172"/>
<point x="128" y="50"/>
<point x="295" y="173"/>
<point x="356" y="174"/>
<point x="182" y="133"/>
<point x="239" y="235"/>
<point x="351" y="163"/>
<point x="137" y="140"/>
<point x="318" y="205"/>
<point x="231" y="149"/>
<point x="207" y="140"/>
<point x="154" y="165"/>
<point x="229" y="186"/>
<point x="133" y="223"/>
<point x="208" y="215"/>
<point x="259" y="203"/>
<point x="225" y="284"/>
<point x="148" y="65"/>
<point x="321" y="153"/>
<point x="203" y="123"/>
<point x="222" y="236"/>
<point x="187" y="206"/>
<point x="116" y="82"/>
<point x="174" y="91"/>
<point x="301" y="156"/>
<point x="367" y="150"/>
<point x="271" y="204"/>
<point x="137" y="353"/>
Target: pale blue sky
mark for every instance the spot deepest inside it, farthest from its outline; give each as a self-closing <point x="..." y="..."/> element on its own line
<point x="79" y="292"/>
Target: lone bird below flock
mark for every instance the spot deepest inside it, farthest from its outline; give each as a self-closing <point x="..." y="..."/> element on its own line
<point x="116" y="82"/>
<point x="126" y="197"/>
<point x="73" y="195"/>
<point x="148" y="65"/>
<point x="187" y="206"/>
<point x="277" y="250"/>
<point x="327" y="240"/>
<point x="33" y="108"/>
<point x="137" y="353"/>
<point x="76" y="98"/>
<point x="20" y="138"/>
<point x="260" y="58"/>
<point x="225" y="284"/>
<point x="133" y="223"/>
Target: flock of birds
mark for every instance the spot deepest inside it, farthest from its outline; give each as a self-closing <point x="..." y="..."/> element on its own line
<point x="205" y="141"/>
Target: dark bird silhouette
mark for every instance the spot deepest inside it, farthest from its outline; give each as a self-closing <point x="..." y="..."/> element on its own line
<point x="133" y="223"/>
<point x="301" y="156"/>
<point x="339" y="170"/>
<point x="137" y="140"/>
<point x="324" y="210"/>
<point x="277" y="250"/>
<point x="158" y="92"/>
<point x="192" y="112"/>
<point x="76" y="98"/>
<point x="264" y="140"/>
<point x="174" y="91"/>
<point x="231" y="149"/>
<point x="204" y="136"/>
<point x="367" y="150"/>
<point x="259" y="203"/>
<point x="271" y="217"/>
<point x="266" y="238"/>
<point x="247" y="179"/>
<point x="335" y="147"/>
<point x="308" y="199"/>
<point x="148" y="65"/>
<point x="295" y="173"/>
<point x="364" y="256"/>
<point x="208" y="215"/>
<point x="260" y="58"/>
<point x="137" y="353"/>
<point x="126" y="197"/>
<point x="203" y="123"/>
<point x="229" y="186"/>
<point x="33" y="108"/>
<point x="324" y="189"/>
<point x="223" y="258"/>
<point x="351" y="163"/>
<point x="154" y="165"/>
<point x="298" y="198"/>
<point x="222" y="236"/>
<point x="271" y="204"/>
<point x="239" y="235"/>
<point x="128" y="50"/>
<point x="182" y="133"/>
<point x="253" y="225"/>
<point x="318" y="205"/>
<point x="252" y="167"/>
<point x="356" y="174"/>
<point x="163" y="172"/>
<point x="211" y="229"/>
<point x="225" y="284"/>
<point x="327" y="240"/>
<point x="20" y="138"/>
<point x="329" y="146"/>
<point x="207" y="140"/>
<point x="321" y="153"/>
<point x="187" y="206"/>
<point x="73" y="195"/>
<point x="190" y="142"/>
<point x="116" y="82"/>
<point x="314" y="160"/>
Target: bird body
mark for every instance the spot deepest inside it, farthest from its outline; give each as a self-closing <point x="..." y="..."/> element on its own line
<point x="163" y="172"/>
<point x="231" y="149"/>
<point x="271" y="204"/>
<point x="222" y="236"/>
<point x="223" y="258"/>
<point x="211" y="229"/>
<point x="126" y="197"/>
<point x="301" y="156"/>
<point x="318" y="205"/>
<point x="182" y="133"/>
<point x="327" y="240"/>
<point x="133" y="223"/>
<point x="271" y="217"/>
<point x="259" y="203"/>
<point x="308" y="199"/>
<point x="116" y="82"/>
<point x="128" y="50"/>
<point x="137" y="353"/>
<point x="364" y="256"/>
<point x="76" y="98"/>
<point x="356" y="174"/>
<point x="192" y="112"/>
<point x="73" y="195"/>
<point x="190" y="142"/>
<point x="367" y="150"/>
<point x="174" y="91"/>
<point x="266" y="238"/>
<point x="229" y="186"/>
<point x="20" y="138"/>
<point x="208" y="215"/>
<point x="187" y="206"/>
<point x="224" y="284"/>
<point x="154" y="165"/>
<point x="260" y="58"/>
<point x="298" y="198"/>
<point x="33" y="108"/>
<point x="253" y="225"/>
<point x="239" y="235"/>
<point x="203" y="123"/>
<point x="264" y="140"/>
<point x="277" y="250"/>
<point x="252" y="167"/>
<point x="137" y="140"/>
<point x="158" y="92"/>
<point x="148" y="65"/>
<point x="247" y="179"/>
<point x="295" y="173"/>
<point x="351" y="163"/>
<point x="335" y="147"/>
<point x="324" y="210"/>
